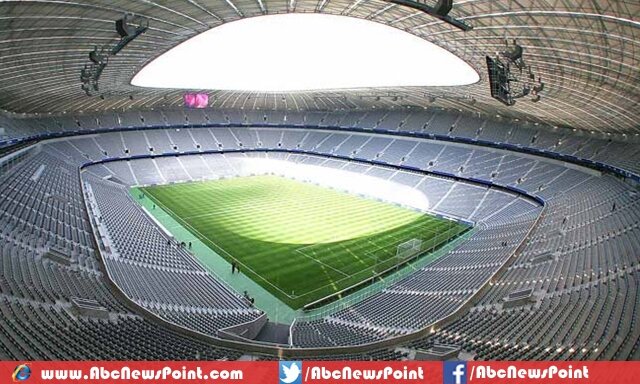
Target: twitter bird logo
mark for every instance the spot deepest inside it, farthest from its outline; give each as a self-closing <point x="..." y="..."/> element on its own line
<point x="290" y="372"/>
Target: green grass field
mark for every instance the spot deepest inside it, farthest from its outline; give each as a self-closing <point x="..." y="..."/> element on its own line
<point x="299" y="241"/>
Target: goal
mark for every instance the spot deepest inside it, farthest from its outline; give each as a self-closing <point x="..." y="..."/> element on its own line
<point x="404" y="251"/>
<point x="408" y="249"/>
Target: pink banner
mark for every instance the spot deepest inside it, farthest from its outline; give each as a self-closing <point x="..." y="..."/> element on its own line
<point x="196" y="100"/>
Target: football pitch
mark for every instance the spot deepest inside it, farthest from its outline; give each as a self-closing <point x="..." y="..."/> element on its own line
<point x="300" y="241"/>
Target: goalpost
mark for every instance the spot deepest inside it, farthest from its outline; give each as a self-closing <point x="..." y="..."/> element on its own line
<point x="404" y="251"/>
<point x="408" y="249"/>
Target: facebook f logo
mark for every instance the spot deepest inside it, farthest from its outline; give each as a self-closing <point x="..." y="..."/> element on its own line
<point x="455" y="372"/>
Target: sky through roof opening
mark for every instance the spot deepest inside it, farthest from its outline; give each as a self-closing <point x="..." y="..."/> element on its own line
<point x="304" y="52"/>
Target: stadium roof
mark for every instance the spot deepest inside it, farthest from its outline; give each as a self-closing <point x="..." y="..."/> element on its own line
<point x="586" y="51"/>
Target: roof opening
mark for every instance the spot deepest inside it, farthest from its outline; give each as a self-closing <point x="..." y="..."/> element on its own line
<point x="304" y="52"/>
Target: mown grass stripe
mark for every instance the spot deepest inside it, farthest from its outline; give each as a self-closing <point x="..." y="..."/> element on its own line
<point x="299" y="241"/>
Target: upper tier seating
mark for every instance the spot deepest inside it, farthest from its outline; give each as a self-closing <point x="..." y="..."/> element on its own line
<point x="617" y="151"/>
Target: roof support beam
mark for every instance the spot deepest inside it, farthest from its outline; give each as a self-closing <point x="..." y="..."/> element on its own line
<point x="440" y="12"/>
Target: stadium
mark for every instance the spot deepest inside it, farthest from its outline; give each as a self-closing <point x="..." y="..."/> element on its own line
<point x="412" y="180"/>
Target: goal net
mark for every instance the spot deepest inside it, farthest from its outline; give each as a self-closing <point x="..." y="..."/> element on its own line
<point x="408" y="249"/>
<point x="404" y="251"/>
